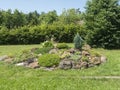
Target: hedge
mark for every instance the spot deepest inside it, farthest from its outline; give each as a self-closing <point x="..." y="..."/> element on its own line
<point x="38" y="34"/>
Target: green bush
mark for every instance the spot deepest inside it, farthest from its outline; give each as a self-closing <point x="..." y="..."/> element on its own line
<point x="48" y="60"/>
<point x="47" y="44"/>
<point x="62" y="46"/>
<point x="37" y="34"/>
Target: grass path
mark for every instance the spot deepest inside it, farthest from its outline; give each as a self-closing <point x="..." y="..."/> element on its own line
<point x="100" y="77"/>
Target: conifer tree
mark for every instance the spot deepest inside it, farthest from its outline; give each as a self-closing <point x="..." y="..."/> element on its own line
<point x="103" y="23"/>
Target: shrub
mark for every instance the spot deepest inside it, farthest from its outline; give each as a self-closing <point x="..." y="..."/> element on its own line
<point x="42" y="50"/>
<point x="47" y="44"/>
<point x="62" y="46"/>
<point x="78" y="42"/>
<point x="48" y="60"/>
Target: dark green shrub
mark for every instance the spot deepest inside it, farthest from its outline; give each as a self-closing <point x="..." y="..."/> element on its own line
<point x="48" y="60"/>
<point x="78" y="42"/>
<point x="62" y="46"/>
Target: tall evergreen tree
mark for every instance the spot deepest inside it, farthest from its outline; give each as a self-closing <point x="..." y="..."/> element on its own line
<point x="103" y="23"/>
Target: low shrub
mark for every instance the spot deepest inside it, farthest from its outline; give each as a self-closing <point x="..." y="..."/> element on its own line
<point x="42" y="50"/>
<point x="62" y="46"/>
<point x="47" y="44"/>
<point x="48" y="60"/>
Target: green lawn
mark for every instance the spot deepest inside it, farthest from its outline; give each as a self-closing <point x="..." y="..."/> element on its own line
<point x="19" y="78"/>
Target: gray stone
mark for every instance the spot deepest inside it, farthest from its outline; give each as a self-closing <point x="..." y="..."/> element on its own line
<point x="103" y="59"/>
<point x="76" y="65"/>
<point x="65" y="64"/>
<point x="21" y="64"/>
<point x="53" y="51"/>
<point x="84" y="65"/>
<point x="85" y="53"/>
<point x="72" y="50"/>
<point x="2" y="58"/>
<point x="49" y="69"/>
<point x="33" y="65"/>
<point x="9" y="60"/>
<point x="95" y="60"/>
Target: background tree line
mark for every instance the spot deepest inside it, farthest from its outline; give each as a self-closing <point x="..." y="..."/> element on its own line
<point x="99" y="25"/>
<point x="17" y="19"/>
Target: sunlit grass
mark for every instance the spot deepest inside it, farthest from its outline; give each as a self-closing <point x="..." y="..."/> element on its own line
<point x="20" y="78"/>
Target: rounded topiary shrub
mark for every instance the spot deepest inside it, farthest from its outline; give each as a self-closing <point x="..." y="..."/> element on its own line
<point x="62" y="46"/>
<point x="48" y="60"/>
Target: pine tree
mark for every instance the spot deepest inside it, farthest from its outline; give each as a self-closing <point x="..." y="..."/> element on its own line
<point x="78" y="41"/>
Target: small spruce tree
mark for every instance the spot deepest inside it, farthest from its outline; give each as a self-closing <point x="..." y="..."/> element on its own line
<point x="78" y="41"/>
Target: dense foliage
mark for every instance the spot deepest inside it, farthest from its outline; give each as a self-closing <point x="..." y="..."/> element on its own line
<point x="103" y="23"/>
<point x="49" y="60"/>
<point x="37" y="34"/>
<point x="33" y="28"/>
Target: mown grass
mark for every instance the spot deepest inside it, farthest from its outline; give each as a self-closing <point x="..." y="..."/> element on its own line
<point x="20" y="78"/>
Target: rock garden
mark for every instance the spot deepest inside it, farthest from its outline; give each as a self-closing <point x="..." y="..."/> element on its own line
<point x="52" y="55"/>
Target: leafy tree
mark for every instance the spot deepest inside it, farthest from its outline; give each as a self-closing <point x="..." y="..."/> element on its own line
<point x="70" y="16"/>
<point x="18" y="19"/>
<point x="103" y="23"/>
<point x="32" y="18"/>
<point x="48" y="18"/>
<point x="7" y="19"/>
